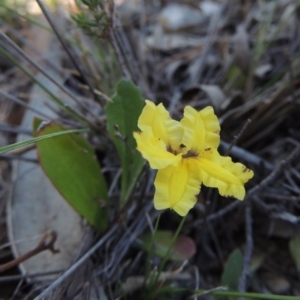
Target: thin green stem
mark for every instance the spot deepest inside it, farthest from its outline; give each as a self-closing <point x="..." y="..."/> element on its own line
<point x="150" y="253"/>
<point x="166" y="257"/>
<point x="40" y="138"/>
<point x="255" y="295"/>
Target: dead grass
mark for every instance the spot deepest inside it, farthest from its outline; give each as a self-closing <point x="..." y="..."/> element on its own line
<point x="242" y="57"/>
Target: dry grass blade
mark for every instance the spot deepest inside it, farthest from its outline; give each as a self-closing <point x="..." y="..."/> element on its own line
<point x="241" y="58"/>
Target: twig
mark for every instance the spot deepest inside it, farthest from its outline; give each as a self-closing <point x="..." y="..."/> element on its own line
<point x="268" y="180"/>
<point x="64" y="289"/>
<point x="24" y="276"/>
<point x="292" y="186"/>
<point x="42" y="57"/>
<point x="113" y="40"/>
<point x="197" y="280"/>
<point x="248" y="250"/>
<point x="247" y="156"/>
<point x="42" y="246"/>
<point x="15" y="242"/>
<point x="292" y="77"/>
<point x="216" y="243"/>
<point x="69" y="110"/>
<point x="75" y="266"/>
<point x="127" y="239"/>
<point x="17" y="289"/>
<point x="42" y="70"/>
<point x="14" y="129"/>
<point x="274" y="175"/>
<point x="280" y="197"/>
<point x="24" y="104"/>
<point x="236" y="138"/>
<point x="223" y="211"/>
<point x="65" y="46"/>
<point x="10" y="157"/>
<point x="125" y="52"/>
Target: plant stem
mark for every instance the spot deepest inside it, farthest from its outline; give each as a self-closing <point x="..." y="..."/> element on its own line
<point x="255" y="295"/>
<point x="46" y="243"/>
<point x="162" y="265"/>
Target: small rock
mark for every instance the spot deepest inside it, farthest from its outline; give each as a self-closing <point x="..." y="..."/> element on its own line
<point x="210" y="8"/>
<point x="262" y="70"/>
<point x="176" y="17"/>
<point x="278" y="285"/>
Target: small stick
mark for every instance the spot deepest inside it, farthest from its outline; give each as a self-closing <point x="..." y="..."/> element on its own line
<point x="10" y="157"/>
<point x="5" y="127"/>
<point x="248" y="250"/>
<point x="268" y="180"/>
<point x="24" y="276"/>
<point x="236" y="138"/>
<point x="197" y="280"/>
<point x="74" y="267"/>
<point x="42" y="246"/>
<point x="24" y="104"/>
<point x="9" y="42"/>
<point x="114" y="42"/>
<point x="273" y="176"/>
<point x="247" y="156"/>
<point x="65" y="46"/>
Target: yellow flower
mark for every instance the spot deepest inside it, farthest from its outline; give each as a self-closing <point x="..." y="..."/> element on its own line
<point x="185" y="155"/>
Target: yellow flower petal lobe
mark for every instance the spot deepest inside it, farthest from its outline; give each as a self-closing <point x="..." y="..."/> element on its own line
<point x="156" y="120"/>
<point x="201" y="129"/>
<point x="177" y="187"/>
<point x="152" y="119"/>
<point x="175" y="133"/>
<point x="220" y="172"/>
<point x="154" y="150"/>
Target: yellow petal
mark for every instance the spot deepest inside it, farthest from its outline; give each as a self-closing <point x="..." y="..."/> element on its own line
<point x="157" y="120"/>
<point x="220" y="172"/>
<point x="177" y="187"/>
<point x="201" y="129"/>
<point x="154" y="150"/>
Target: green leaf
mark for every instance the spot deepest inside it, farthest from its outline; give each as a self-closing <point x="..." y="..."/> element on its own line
<point x="233" y="270"/>
<point x="231" y="274"/>
<point x="123" y="113"/>
<point x="70" y="164"/>
<point x="294" y="246"/>
<point x="184" y="247"/>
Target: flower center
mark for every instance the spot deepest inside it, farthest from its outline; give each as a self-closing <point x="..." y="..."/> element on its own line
<point x="190" y="153"/>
